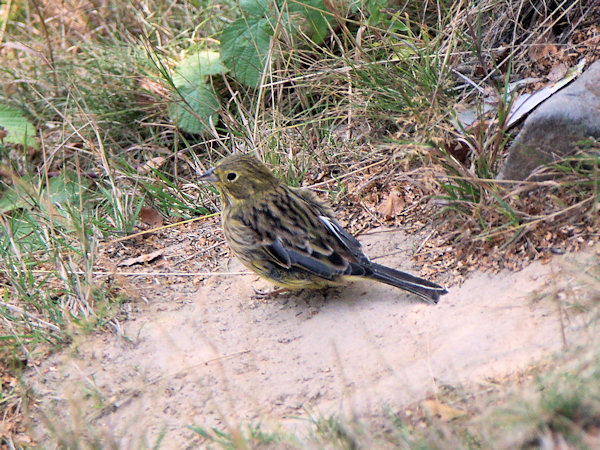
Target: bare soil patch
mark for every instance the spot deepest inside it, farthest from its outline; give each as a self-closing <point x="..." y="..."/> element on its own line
<point x="215" y="355"/>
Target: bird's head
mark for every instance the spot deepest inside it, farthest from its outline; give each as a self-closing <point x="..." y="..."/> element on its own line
<point x="240" y="177"/>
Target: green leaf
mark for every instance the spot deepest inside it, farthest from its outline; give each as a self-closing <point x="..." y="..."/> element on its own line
<point x="10" y="201"/>
<point x="315" y="18"/>
<point x="198" y="65"/>
<point x="244" y="48"/>
<point x="18" y="129"/>
<point x="256" y="8"/>
<point x="23" y="229"/>
<point x="65" y="188"/>
<point x="199" y="103"/>
<point x="26" y="193"/>
<point x="199" y="107"/>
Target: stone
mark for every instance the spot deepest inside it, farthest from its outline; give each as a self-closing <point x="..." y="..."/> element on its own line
<point x="555" y="128"/>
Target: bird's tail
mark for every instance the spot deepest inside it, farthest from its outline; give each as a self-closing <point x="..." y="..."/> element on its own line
<point x="428" y="291"/>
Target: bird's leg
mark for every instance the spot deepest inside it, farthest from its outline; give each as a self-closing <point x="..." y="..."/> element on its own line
<point x="268" y="295"/>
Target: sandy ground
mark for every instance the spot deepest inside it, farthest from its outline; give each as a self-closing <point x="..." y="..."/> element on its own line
<point x="215" y="355"/>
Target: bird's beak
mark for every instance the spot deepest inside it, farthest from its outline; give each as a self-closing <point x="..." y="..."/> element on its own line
<point x="209" y="175"/>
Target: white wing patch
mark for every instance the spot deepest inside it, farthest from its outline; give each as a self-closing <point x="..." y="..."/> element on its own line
<point x="346" y="239"/>
<point x="332" y="227"/>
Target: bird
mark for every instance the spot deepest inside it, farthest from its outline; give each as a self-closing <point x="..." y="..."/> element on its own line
<point x="290" y="237"/>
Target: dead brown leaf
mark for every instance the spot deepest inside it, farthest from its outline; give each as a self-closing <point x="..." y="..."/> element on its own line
<point x="558" y="72"/>
<point x="542" y="48"/>
<point x="142" y="258"/>
<point x="151" y="164"/>
<point x="391" y="206"/>
<point x="154" y="87"/>
<point x="151" y="217"/>
<point x="445" y="412"/>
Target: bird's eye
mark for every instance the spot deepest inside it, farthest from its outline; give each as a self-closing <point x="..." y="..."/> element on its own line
<point x="231" y="176"/>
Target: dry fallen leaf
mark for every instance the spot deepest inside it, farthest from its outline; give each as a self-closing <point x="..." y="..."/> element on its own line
<point x="543" y="47"/>
<point x="150" y="217"/>
<point x="151" y="164"/>
<point x="142" y="258"/>
<point x="558" y="72"/>
<point x="391" y="206"/>
<point x="154" y="87"/>
<point x="445" y="412"/>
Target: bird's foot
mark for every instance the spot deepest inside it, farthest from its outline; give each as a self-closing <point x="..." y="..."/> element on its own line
<point x="268" y="295"/>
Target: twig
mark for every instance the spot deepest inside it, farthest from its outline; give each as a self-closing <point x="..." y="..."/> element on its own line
<point x="148" y="274"/>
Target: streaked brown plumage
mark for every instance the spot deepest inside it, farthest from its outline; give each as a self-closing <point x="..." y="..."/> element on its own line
<point x="291" y="238"/>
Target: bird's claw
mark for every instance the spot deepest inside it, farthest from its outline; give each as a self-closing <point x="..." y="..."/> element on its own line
<point x="268" y="295"/>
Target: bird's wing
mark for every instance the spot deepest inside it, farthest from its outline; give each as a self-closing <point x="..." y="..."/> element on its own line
<point x="348" y="242"/>
<point x="297" y="230"/>
<point x="314" y="263"/>
<point x="346" y="239"/>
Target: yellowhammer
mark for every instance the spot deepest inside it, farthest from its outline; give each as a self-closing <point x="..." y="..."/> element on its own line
<point x="291" y="238"/>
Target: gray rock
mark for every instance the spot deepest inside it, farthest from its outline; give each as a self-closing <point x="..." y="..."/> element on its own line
<point x="553" y="130"/>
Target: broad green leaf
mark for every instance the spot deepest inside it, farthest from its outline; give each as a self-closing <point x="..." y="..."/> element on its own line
<point x="24" y="230"/>
<point x="256" y="8"/>
<point x="244" y="48"/>
<point x="25" y="192"/>
<point x="10" y="201"/>
<point x="315" y="18"/>
<point x="198" y="65"/>
<point x="65" y="188"/>
<point x="18" y="129"/>
<point x="200" y="105"/>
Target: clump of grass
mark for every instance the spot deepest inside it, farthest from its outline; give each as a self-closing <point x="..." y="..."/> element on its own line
<point x="48" y="257"/>
<point x="558" y="405"/>
<point x="504" y="223"/>
<point x="508" y="224"/>
<point x="562" y="405"/>
<point x="101" y="129"/>
<point x="251" y="436"/>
